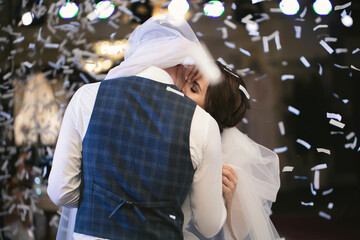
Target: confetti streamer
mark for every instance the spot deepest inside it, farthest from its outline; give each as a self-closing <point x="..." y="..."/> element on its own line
<point x="257" y="1"/>
<point x="307" y="203"/>
<point x="224" y="32"/>
<point x="245" y="52"/>
<point x="288" y="169"/>
<point x="52" y="45"/>
<point x="340" y="7"/>
<point x="313" y="192"/>
<point x="320" y="26"/>
<point x="197" y="17"/>
<point x="287" y="77"/>
<point x="324" y="215"/>
<point x="337" y="123"/>
<point x="303" y="13"/>
<point x="297" y="32"/>
<point x="19" y="40"/>
<point x="300" y="177"/>
<point x="351" y="145"/>
<point x="334" y="116"/>
<point x="281" y="128"/>
<point x="319" y="167"/>
<point x="341" y="50"/>
<point x="302" y="142"/>
<point x="275" y="35"/>
<point x="330" y="39"/>
<point x="230" y="44"/>
<point x="326" y="46"/>
<point x="356" y="50"/>
<point x="305" y="61"/>
<point x="275" y="10"/>
<point x="355" y="68"/>
<point x="293" y="110"/>
<point x="340" y="66"/>
<point x="280" y="149"/>
<point x="350" y="135"/>
<point x="324" y="150"/>
<point x="320" y="69"/>
<point x="230" y="24"/>
<point x="330" y="205"/>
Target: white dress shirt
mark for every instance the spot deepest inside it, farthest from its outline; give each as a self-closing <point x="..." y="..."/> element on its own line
<point x="204" y="203"/>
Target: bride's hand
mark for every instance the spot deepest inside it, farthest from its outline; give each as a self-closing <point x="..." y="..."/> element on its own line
<point x="229" y="182"/>
<point x="192" y="73"/>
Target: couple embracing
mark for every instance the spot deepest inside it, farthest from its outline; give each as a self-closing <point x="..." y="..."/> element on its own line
<point x="153" y="152"/>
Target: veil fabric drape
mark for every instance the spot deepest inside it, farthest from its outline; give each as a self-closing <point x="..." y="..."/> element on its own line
<point x="258" y="182"/>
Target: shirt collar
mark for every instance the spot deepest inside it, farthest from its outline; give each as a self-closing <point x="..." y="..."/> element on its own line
<point x="156" y="74"/>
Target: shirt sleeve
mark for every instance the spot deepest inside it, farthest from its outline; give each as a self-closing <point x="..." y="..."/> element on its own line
<point x="65" y="176"/>
<point x="207" y="204"/>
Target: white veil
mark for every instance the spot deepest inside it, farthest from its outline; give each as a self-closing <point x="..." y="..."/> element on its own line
<point x="258" y="183"/>
<point x="162" y="41"/>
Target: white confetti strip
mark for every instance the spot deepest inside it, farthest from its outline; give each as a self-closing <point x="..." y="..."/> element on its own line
<point x="19" y="40"/>
<point x="245" y="52"/>
<point x="313" y="192"/>
<point x="320" y="26"/>
<point x="340" y="7"/>
<point x="197" y="17"/>
<point x="293" y="110"/>
<point x="319" y="167"/>
<point x="317" y="179"/>
<point x="303" y="13"/>
<point x="52" y="45"/>
<point x="275" y="10"/>
<point x="281" y="128"/>
<point x="320" y="69"/>
<point x="337" y="123"/>
<point x="305" y="61"/>
<point x="341" y="50"/>
<point x="341" y="66"/>
<point x="307" y="203"/>
<point x="287" y="77"/>
<point x="351" y="145"/>
<point x="334" y="116"/>
<point x="350" y="136"/>
<point x="230" y="24"/>
<point x="300" y="177"/>
<point x="330" y="205"/>
<point x="324" y="215"/>
<point x="224" y="32"/>
<point x="27" y="64"/>
<point x="355" y="68"/>
<point x="297" y="32"/>
<point x="356" y="50"/>
<point x="280" y="149"/>
<point x="326" y="46"/>
<point x="288" y="169"/>
<point x="304" y="143"/>
<point x="230" y="44"/>
<point x="327" y="192"/>
<point x="330" y="39"/>
<point x="257" y="1"/>
<point x="324" y="150"/>
<point x="275" y="35"/>
<point x="174" y="91"/>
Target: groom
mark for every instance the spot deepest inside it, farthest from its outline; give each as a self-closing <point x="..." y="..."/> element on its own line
<point x="134" y="154"/>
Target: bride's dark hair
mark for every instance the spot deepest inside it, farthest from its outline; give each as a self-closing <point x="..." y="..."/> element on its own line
<point x="225" y="101"/>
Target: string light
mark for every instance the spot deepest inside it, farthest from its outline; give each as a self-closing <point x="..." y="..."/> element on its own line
<point x="104" y="9"/>
<point x="214" y="8"/>
<point x="68" y="10"/>
<point x="178" y="7"/>
<point x="289" y="7"/>
<point x="27" y="18"/>
<point x="322" y="7"/>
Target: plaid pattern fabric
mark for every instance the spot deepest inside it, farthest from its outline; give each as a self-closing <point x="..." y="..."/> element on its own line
<point x="137" y="168"/>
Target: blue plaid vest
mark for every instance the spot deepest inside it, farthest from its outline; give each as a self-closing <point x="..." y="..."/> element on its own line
<point x="136" y="165"/>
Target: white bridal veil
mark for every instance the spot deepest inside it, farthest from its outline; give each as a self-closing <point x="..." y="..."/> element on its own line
<point x="258" y="183"/>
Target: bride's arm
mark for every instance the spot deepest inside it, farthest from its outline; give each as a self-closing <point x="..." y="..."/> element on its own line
<point x="229" y="187"/>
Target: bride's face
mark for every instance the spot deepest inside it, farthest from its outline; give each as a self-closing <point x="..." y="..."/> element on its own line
<point x="196" y="90"/>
